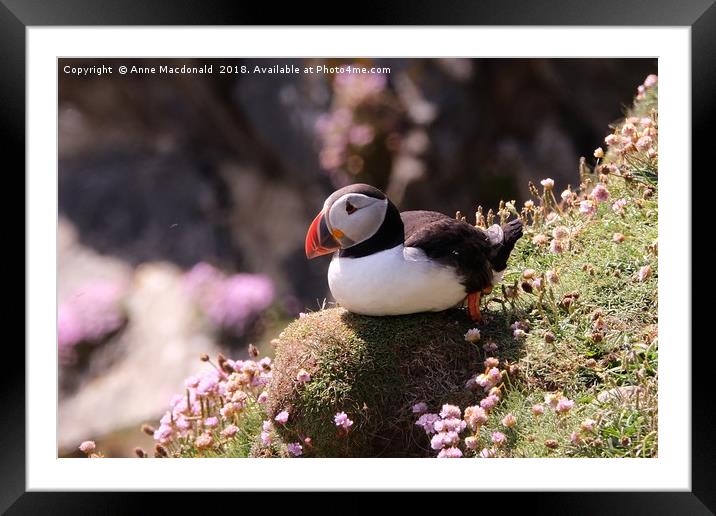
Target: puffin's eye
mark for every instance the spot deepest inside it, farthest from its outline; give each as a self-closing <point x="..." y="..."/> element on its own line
<point x="350" y="208"/>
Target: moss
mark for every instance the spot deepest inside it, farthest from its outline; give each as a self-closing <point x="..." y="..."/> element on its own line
<point x="374" y="369"/>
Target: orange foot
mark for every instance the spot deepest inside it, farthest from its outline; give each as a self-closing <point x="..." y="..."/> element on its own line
<point x="473" y="306"/>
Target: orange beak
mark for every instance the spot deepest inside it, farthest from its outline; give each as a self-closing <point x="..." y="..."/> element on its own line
<point x="319" y="240"/>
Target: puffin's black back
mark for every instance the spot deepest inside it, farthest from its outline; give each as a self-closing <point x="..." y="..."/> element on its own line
<point x="453" y="243"/>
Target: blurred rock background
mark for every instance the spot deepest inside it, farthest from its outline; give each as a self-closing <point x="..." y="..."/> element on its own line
<point x="159" y="173"/>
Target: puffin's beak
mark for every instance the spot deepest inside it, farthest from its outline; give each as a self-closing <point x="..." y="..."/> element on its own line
<point x="319" y="240"/>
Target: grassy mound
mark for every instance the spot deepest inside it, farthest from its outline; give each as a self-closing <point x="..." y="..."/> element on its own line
<point x="374" y="369"/>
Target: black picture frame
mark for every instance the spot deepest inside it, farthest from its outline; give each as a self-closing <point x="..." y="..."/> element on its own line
<point x="17" y="15"/>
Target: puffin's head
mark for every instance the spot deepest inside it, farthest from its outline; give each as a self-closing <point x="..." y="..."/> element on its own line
<point x="349" y="217"/>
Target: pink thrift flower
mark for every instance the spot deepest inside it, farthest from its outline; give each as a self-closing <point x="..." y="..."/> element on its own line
<point x="427" y="422"/>
<point x="303" y="376"/>
<point x="587" y="207"/>
<point x="494" y="375"/>
<point x="282" y="417"/>
<point x="437" y="442"/>
<point x="566" y="195"/>
<point x="600" y="193"/>
<point x="263" y="398"/>
<point x="491" y="362"/>
<point x="628" y="129"/>
<point x="163" y="434"/>
<point x="588" y="425"/>
<point x="644" y="143"/>
<point x="452" y="424"/>
<point x="618" y="206"/>
<point x="450" y="453"/>
<point x="419" y="408"/>
<point x="564" y="405"/>
<point x="612" y="139"/>
<point x="472" y="335"/>
<point x="471" y="442"/>
<point x="519" y="333"/>
<point x="475" y="416"/>
<point x="341" y="420"/>
<point x="551" y="399"/>
<point x="489" y="403"/>
<point x="509" y="421"/>
<point x="651" y="81"/>
<point x="204" y="441"/>
<point x="208" y="385"/>
<point x="295" y="449"/>
<point x="211" y="422"/>
<point x="556" y="247"/>
<point x="450" y="411"/>
<point x="560" y="233"/>
<point x="538" y="409"/>
<point x="182" y="423"/>
<point x="489" y="347"/>
<point x="87" y="447"/>
<point x="540" y="239"/>
<point x="548" y="183"/>
<point x="598" y="153"/>
<point x="487" y="454"/>
<point x="498" y="438"/>
<point x="230" y="431"/>
<point x="575" y="438"/>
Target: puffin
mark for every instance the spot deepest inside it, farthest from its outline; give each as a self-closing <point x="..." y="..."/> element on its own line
<point x="390" y="263"/>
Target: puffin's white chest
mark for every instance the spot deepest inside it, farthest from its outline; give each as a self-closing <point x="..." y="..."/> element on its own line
<point x="401" y="280"/>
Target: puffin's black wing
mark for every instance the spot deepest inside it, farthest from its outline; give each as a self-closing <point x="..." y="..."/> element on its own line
<point x="457" y="244"/>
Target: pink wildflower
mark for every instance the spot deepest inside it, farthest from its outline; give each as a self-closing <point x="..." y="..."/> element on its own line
<point x="471" y="442"/>
<point x="427" y="422"/>
<point x="548" y="183"/>
<point x="587" y="207"/>
<point x="282" y="417"/>
<point x="618" y="206"/>
<point x="564" y="405"/>
<point x="538" y="409"/>
<point x="450" y="411"/>
<point x="651" y="81"/>
<point x="303" y="376"/>
<point x="555" y="246"/>
<point x="341" y="420"/>
<point x="450" y="453"/>
<point x="211" y="422"/>
<point x="490" y="402"/>
<point x="491" y="362"/>
<point x="295" y="449"/>
<point x="204" y="441"/>
<point x="87" y="447"/>
<point x="230" y="431"/>
<point x="498" y="438"/>
<point x="509" y="420"/>
<point x="600" y="193"/>
<point x="419" y="408"/>
<point x="475" y="416"/>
